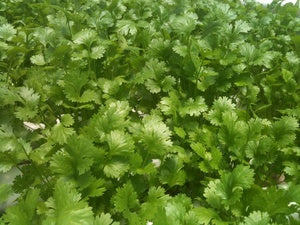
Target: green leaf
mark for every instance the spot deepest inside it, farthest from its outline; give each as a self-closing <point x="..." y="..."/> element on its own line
<point x="233" y="133"/>
<point x="85" y="37"/>
<point x="292" y="169"/>
<point x="292" y="58"/>
<point x="61" y="163"/>
<point x="171" y="172"/>
<point x="8" y="140"/>
<point x="97" y="52"/>
<point x="184" y="24"/>
<point x="110" y="117"/>
<point x="89" y="96"/>
<point x="258" y="56"/>
<point x="25" y="113"/>
<point x="211" y="160"/>
<point x="30" y="102"/>
<point x="125" y="200"/>
<point x="169" y="105"/>
<point x="67" y="120"/>
<point x="260" y="151"/>
<point x="284" y="130"/>
<point x="152" y="86"/>
<point x="167" y="83"/>
<point x="7" y="32"/>
<point x="228" y="190"/>
<point x="96" y="188"/>
<point x="212" y="194"/>
<point x="177" y="210"/>
<point x="199" y="149"/>
<point x="220" y="106"/>
<point x="241" y="26"/>
<point x="287" y="75"/>
<point x="28" y="95"/>
<point x="193" y="107"/>
<point x="73" y="84"/>
<point x="81" y="150"/>
<point x="45" y="35"/>
<point x="257" y="218"/>
<point x="243" y="176"/>
<point x="60" y="133"/>
<point x="104" y="219"/>
<point x="5" y="164"/>
<point x="207" y="215"/>
<point x="180" y="132"/>
<point x="181" y="50"/>
<point x="66" y="207"/>
<point x="8" y="97"/>
<point x="155" y="200"/>
<point x="126" y="27"/>
<point x="172" y="112"/>
<point x="153" y="70"/>
<point x="154" y="135"/>
<point x="116" y="168"/>
<point x="24" y="212"/>
<point x="38" y="60"/>
<point x="119" y="143"/>
<point x="264" y="200"/>
<point x="111" y="87"/>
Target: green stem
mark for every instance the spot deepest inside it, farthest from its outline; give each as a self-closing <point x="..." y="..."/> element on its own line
<point x="197" y="76"/>
<point x="146" y="158"/>
<point x="44" y="180"/>
<point x="69" y="27"/>
<point x="76" y="124"/>
<point x="252" y="111"/>
<point x="91" y="74"/>
<point x="20" y="169"/>
<point x="8" y="72"/>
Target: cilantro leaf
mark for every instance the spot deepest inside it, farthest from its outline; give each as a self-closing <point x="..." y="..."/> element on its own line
<point x="119" y="143"/>
<point x="193" y="107"/>
<point x="283" y="130"/>
<point x="171" y="172"/>
<point x="220" y="106"/>
<point x="125" y="199"/>
<point x="66" y="206"/>
<point x="25" y="212"/>
<point x="257" y="218"/>
<point x="154" y="135"/>
<point x="116" y="168"/>
<point x="60" y="133"/>
<point x="148" y="112"/>
<point x="104" y="219"/>
<point x="7" y="32"/>
<point x="228" y="190"/>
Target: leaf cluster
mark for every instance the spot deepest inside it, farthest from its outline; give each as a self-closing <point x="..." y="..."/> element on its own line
<point x="177" y="112"/>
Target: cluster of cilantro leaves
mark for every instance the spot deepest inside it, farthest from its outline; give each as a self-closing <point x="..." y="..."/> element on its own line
<point x="163" y="112"/>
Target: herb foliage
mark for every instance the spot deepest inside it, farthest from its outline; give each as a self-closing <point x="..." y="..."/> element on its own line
<point x="177" y="112"/>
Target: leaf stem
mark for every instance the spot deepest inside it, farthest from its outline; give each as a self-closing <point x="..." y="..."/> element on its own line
<point x="43" y="179"/>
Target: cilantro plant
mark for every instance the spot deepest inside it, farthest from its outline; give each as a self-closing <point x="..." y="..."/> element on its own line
<point x="150" y="112"/>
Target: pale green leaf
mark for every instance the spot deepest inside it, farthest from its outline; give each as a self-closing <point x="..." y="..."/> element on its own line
<point x="67" y="120"/>
<point x="7" y="32"/>
<point x="60" y="133"/>
<point x="116" y="168"/>
<point x="104" y="219"/>
<point x="66" y="207"/>
<point x="97" y="52"/>
<point x="257" y="218"/>
<point x="38" y="60"/>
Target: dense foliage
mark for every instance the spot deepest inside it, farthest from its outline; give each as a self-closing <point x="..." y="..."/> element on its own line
<point x="163" y="112"/>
